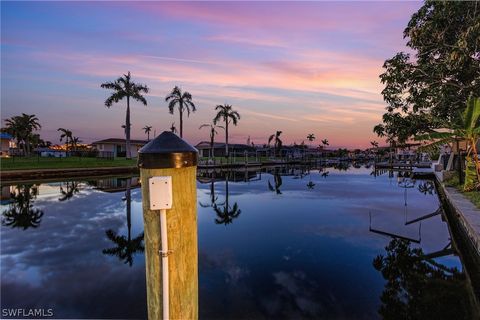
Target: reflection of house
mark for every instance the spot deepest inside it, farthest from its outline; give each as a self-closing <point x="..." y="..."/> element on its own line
<point x="114" y="147"/>
<point x="5" y="141"/>
<point x="49" y="152"/>
<point x="112" y="185"/>
<point x="219" y="149"/>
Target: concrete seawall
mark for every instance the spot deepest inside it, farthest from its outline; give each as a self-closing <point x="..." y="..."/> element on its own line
<point x="463" y="220"/>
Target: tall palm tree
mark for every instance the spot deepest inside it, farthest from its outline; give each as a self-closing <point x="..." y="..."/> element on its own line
<point x="213" y="132"/>
<point x="123" y="87"/>
<point x="277" y="141"/>
<point x="147" y="130"/>
<point x="126" y="247"/>
<point x="67" y="135"/>
<point x="22" y="127"/>
<point x="184" y="102"/>
<point x="226" y="113"/>
<point x="467" y="129"/>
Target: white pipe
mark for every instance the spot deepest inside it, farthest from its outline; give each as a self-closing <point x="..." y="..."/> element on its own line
<point x="164" y="253"/>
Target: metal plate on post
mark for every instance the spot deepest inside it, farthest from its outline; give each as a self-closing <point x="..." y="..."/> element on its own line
<point x="160" y="192"/>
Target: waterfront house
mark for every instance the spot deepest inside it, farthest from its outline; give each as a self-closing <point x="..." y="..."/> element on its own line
<point x="219" y="149"/>
<point x="115" y="147"/>
<point x="5" y="140"/>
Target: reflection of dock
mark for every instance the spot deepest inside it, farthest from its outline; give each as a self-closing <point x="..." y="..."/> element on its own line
<point x="393" y="235"/>
<point x="112" y="184"/>
<point x="425" y="217"/>
<point x="206" y="176"/>
<point x="402" y="165"/>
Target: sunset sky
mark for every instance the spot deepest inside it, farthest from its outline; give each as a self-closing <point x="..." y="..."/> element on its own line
<point x="308" y="67"/>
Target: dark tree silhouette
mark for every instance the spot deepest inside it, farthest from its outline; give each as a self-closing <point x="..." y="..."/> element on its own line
<point x="21" y="213"/>
<point x="226" y="213"/>
<point x="71" y="188"/>
<point x="277" y="142"/>
<point x="420" y="288"/>
<point x="277" y="179"/>
<point x="184" y="102"/>
<point x="126" y="247"/>
<point x="213" y="132"/>
<point x="226" y="113"/>
<point x="123" y="87"/>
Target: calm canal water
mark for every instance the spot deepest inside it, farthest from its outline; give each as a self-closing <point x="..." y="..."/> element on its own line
<point x="282" y="244"/>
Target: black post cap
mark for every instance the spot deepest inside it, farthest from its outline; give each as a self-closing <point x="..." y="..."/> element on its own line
<point x="167" y="151"/>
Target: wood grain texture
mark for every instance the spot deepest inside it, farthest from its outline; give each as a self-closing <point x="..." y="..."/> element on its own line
<point x="182" y="239"/>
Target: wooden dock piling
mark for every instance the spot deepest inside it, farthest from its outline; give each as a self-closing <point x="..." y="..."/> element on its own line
<point x="170" y="156"/>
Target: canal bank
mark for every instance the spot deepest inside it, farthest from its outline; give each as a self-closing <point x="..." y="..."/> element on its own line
<point x="464" y="223"/>
<point x="47" y="174"/>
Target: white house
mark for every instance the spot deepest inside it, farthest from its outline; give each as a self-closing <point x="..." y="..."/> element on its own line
<point x="114" y="147"/>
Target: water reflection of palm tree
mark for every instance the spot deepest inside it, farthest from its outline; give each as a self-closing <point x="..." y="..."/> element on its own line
<point x="420" y="288"/>
<point x="426" y="187"/>
<point x="277" y="179"/>
<point x="71" y="188"/>
<point x="213" y="196"/>
<point x="21" y="213"/>
<point x="226" y="213"/>
<point x="126" y="247"/>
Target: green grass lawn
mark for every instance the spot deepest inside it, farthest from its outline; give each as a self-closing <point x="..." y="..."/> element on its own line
<point x="21" y="163"/>
<point x="473" y="196"/>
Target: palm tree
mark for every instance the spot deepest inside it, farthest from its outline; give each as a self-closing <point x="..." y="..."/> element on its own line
<point x="325" y="142"/>
<point x="124" y="87"/>
<point x="213" y="132"/>
<point x="311" y="137"/>
<point x="22" y="127"/>
<point x="21" y="213"/>
<point x="70" y="190"/>
<point x="467" y="129"/>
<point x="184" y="102"/>
<point x="227" y="213"/>
<point x="277" y="179"/>
<point x="277" y="141"/>
<point x="173" y="129"/>
<point x="226" y="113"/>
<point x="74" y="142"/>
<point x="67" y="135"/>
<point x="147" y="130"/>
<point x="126" y="247"/>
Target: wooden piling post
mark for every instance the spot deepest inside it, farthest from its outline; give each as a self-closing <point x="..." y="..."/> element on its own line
<point x="169" y="155"/>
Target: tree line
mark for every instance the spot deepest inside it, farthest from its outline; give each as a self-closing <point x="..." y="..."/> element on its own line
<point x="432" y="94"/>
